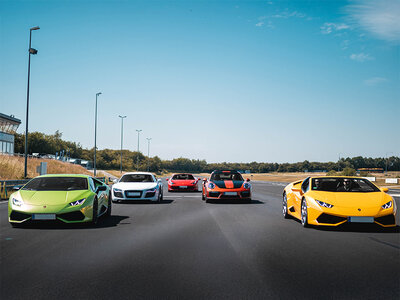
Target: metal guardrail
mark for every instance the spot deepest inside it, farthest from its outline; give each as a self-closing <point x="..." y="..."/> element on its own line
<point x="6" y="187"/>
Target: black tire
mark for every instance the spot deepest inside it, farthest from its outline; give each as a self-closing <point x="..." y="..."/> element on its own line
<point x="284" y="207"/>
<point x="109" y="208"/>
<point x="162" y="195"/>
<point x="15" y="225"/>
<point x="202" y="196"/>
<point x="248" y="200"/>
<point x="207" y="200"/>
<point x="95" y="217"/>
<point x="304" y="214"/>
<point x="159" y="197"/>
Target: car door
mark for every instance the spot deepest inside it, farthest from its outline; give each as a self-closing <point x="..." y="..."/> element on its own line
<point x="298" y="195"/>
<point x="101" y="195"/>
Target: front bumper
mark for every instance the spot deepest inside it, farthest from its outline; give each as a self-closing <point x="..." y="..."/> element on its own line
<point x="221" y="195"/>
<point x="142" y="196"/>
<point x="183" y="188"/>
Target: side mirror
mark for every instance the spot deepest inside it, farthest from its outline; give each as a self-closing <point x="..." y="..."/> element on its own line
<point x="248" y="179"/>
<point x="101" y="188"/>
<point x="16" y="188"/>
<point x="204" y="179"/>
<point x="385" y="190"/>
<point x="166" y="179"/>
<point x="115" y="180"/>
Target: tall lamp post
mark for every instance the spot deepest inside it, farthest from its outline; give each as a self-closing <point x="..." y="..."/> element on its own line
<point x="148" y="152"/>
<point x="31" y="51"/>
<point x="95" y="135"/>
<point x="122" y="137"/>
<point x="387" y="159"/>
<point x="137" y="161"/>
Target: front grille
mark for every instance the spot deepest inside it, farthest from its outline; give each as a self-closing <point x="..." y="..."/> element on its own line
<point x="229" y="197"/>
<point x="139" y="195"/>
<point x="118" y="194"/>
<point x="386" y="220"/>
<point x="213" y="194"/>
<point x="245" y="194"/>
<point x="330" y="219"/>
<point x="150" y="194"/>
<point x="72" y="216"/>
<point x="18" y="216"/>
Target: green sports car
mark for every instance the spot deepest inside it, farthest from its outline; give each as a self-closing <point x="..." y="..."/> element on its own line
<point x="69" y="198"/>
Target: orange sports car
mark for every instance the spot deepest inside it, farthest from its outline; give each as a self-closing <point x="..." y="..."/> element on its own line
<point x="228" y="185"/>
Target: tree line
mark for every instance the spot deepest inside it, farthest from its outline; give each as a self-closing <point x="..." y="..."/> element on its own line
<point x="109" y="159"/>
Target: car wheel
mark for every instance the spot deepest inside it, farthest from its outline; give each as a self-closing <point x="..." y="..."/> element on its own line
<point x="284" y="207"/>
<point x="304" y="216"/>
<point x="162" y="195"/>
<point x="202" y="196"/>
<point x="95" y="216"/>
<point x="159" y="197"/>
<point x="108" y="213"/>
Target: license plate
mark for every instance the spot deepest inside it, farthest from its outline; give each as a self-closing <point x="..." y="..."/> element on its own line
<point x="43" y="217"/>
<point x="230" y="193"/>
<point x="133" y="194"/>
<point x="183" y="187"/>
<point x="361" y="219"/>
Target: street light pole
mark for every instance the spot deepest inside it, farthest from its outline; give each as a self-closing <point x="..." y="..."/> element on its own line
<point x="148" y="152"/>
<point x="137" y="161"/>
<point x="95" y="135"/>
<point x="31" y="51"/>
<point x="122" y="137"/>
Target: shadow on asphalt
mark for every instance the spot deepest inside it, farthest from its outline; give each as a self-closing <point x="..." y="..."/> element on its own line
<point x="103" y="222"/>
<point x="235" y="202"/>
<point x="142" y="202"/>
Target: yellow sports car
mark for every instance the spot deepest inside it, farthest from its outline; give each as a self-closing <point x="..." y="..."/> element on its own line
<point x="331" y="201"/>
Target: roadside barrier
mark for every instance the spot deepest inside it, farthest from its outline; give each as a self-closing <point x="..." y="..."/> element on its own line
<point x="6" y="186"/>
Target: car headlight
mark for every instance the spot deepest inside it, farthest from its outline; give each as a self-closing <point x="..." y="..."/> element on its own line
<point x="17" y="202"/>
<point x="171" y="183"/>
<point x="387" y="205"/>
<point x="247" y="185"/>
<point x="152" y="190"/>
<point x="118" y="190"/>
<point x="77" y="202"/>
<point x="324" y="204"/>
<point x="194" y="182"/>
<point x="211" y="186"/>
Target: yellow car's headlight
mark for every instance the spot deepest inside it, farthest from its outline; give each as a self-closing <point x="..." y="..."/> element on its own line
<point x="17" y="202"/>
<point x="387" y="205"/>
<point x="324" y="204"/>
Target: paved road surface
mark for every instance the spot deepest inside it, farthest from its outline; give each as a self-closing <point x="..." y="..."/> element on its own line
<point x="185" y="248"/>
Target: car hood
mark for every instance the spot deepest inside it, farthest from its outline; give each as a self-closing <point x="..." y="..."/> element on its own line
<point x="51" y="197"/>
<point x="135" y="185"/>
<point x="349" y="199"/>
<point x="183" y="182"/>
<point x="228" y="184"/>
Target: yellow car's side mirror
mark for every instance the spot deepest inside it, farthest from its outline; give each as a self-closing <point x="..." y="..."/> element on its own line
<point x="385" y="190"/>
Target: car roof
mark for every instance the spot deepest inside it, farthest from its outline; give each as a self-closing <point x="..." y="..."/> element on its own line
<point x="140" y="173"/>
<point x="65" y="175"/>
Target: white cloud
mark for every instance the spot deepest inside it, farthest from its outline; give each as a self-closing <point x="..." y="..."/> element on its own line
<point x="374" y="81"/>
<point x="288" y="14"/>
<point x="379" y="17"/>
<point x="259" y="24"/>
<point x="361" y="57"/>
<point x="328" y="28"/>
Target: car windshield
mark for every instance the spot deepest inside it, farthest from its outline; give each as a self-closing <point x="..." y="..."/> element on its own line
<point x="137" y="178"/>
<point x="343" y="185"/>
<point x="183" y="177"/>
<point x="57" y="184"/>
<point x="227" y="176"/>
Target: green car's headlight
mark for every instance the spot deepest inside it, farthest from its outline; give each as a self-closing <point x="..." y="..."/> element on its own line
<point x="324" y="204"/>
<point x="387" y="205"/>
<point x="17" y="202"/>
<point x="78" y="202"/>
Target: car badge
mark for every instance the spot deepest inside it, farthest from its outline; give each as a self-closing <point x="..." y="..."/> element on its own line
<point x="359" y="209"/>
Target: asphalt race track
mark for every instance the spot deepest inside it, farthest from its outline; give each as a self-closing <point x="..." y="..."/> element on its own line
<point x="187" y="249"/>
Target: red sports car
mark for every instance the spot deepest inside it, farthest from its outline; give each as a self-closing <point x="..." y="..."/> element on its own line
<point x="226" y="185"/>
<point x="183" y="182"/>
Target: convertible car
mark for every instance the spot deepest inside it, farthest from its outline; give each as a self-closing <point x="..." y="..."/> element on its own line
<point x="68" y="198"/>
<point x="137" y="186"/>
<point x="182" y="182"/>
<point x="331" y="201"/>
<point x="226" y="185"/>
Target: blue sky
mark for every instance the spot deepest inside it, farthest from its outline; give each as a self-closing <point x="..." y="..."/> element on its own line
<point x="238" y="81"/>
